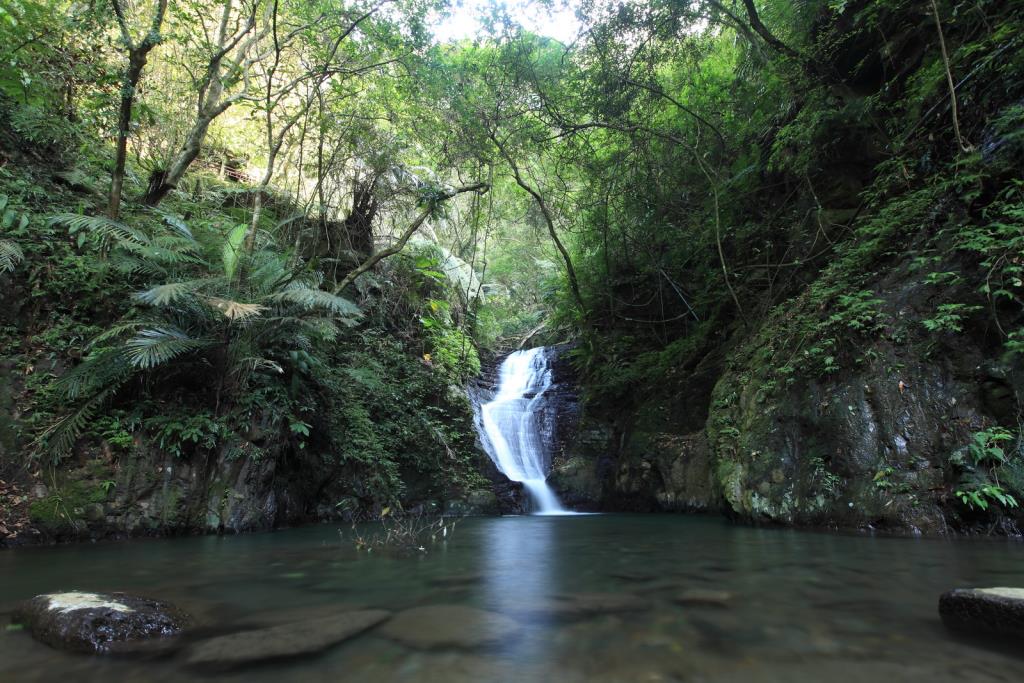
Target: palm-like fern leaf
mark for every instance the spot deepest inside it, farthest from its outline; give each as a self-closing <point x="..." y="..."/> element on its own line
<point x="235" y="310"/>
<point x="232" y="250"/>
<point x="165" y="251"/>
<point x="119" y="330"/>
<point x="175" y="222"/>
<point x="309" y="298"/>
<point x="106" y="228"/>
<point x="60" y="437"/>
<point x="152" y="347"/>
<point x="10" y="255"/>
<point x="103" y="368"/>
<point x="170" y="292"/>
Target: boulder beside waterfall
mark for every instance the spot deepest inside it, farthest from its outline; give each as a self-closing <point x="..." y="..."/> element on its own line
<point x="94" y="622"/>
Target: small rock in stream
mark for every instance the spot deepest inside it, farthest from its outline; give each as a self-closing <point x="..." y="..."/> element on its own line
<point x="95" y="622"/>
<point x="281" y="642"/>
<point x="984" y="611"/>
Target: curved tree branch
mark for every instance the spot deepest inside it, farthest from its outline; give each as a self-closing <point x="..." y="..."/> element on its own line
<point x="382" y="254"/>
<point x="548" y="220"/>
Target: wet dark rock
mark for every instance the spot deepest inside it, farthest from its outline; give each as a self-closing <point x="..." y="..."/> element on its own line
<point x="290" y="615"/>
<point x="696" y="597"/>
<point x="984" y="611"/>
<point x="458" y="580"/>
<point x="587" y="604"/>
<point x="93" y="622"/>
<point x="282" y="642"/>
<point x="633" y="577"/>
<point x="475" y="503"/>
<point x="449" y="626"/>
<point x="571" y="606"/>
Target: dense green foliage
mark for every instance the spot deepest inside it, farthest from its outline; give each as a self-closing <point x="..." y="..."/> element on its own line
<point x="776" y="189"/>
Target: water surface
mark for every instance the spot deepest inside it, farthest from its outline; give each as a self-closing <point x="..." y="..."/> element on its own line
<point x="800" y="607"/>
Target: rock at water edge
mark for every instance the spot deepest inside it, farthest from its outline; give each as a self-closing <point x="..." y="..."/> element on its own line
<point x="93" y="622"/>
<point x="984" y="611"/>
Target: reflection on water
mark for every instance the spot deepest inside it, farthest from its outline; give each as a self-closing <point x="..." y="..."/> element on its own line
<point x="520" y="561"/>
<point x="590" y="598"/>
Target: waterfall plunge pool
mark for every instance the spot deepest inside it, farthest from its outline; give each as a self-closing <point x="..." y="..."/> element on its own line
<point x="590" y="598"/>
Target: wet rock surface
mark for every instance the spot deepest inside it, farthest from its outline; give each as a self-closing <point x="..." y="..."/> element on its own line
<point x="696" y="597"/>
<point x="449" y="626"/>
<point x="571" y="606"/>
<point x="984" y="611"/>
<point x="95" y="622"/>
<point x="284" y="641"/>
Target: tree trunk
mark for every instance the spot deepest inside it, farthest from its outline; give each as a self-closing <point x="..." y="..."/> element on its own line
<point x="378" y="256"/>
<point x="549" y="221"/>
<point x="169" y="179"/>
<point x="136" y="62"/>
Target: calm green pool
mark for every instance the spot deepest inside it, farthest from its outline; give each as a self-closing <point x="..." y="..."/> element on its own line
<point x="704" y="601"/>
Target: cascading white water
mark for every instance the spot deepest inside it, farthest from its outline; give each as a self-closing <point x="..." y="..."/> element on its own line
<point x="510" y="424"/>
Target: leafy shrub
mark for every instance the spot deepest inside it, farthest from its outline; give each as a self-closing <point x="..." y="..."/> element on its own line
<point x="454" y="353"/>
<point x="982" y="466"/>
<point x="225" y="318"/>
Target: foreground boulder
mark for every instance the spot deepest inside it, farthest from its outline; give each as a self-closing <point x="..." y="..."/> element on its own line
<point x="984" y="611"/>
<point x="284" y="641"/>
<point x="94" y="622"/>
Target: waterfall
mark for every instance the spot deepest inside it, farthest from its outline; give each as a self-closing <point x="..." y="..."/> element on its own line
<point x="510" y="424"/>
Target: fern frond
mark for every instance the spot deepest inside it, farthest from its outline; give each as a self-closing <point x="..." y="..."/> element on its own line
<point x="255" y="364"/>
<point x="170" y="292"/>
<point x="130" y="265"/>
<point x="101" y="369"/>
<point x="175" y="222"/>
<point x="235" y="310"/>
<point x="166" y="252"/>
<point x="102" y="226"/>
<point x="176" y="242"/>
<point x="369" y="377"/>
<point x="309" y="298"/>
<point x="117" y="331"/>
<point x="10" y="255"/>
<point x="59" y="438"/>
<point x="155" y="346"/>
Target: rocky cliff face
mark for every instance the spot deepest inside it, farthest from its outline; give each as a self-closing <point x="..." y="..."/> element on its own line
<point x="883" y="442"/>
<point x="645" y="460"/>
<point x="150" y="492"/>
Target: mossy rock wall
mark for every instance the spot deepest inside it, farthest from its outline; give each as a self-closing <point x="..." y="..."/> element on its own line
<point x="870" y="444"/>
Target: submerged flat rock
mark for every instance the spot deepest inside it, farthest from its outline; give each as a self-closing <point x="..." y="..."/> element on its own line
<point x="699" y="597"/>
<point x="570" y="606"/>
<point x="449" y="626"/>
<point x="95" y="622"/>
<point x="984" y="611"/>
<point x="281" y="642"/>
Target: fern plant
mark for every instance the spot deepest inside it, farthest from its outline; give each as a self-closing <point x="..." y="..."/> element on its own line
<point x="988" y="461"/>
<point x="210" y="315"/>
<point x="10" y="219"/>
<point x="10" y="255"/>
